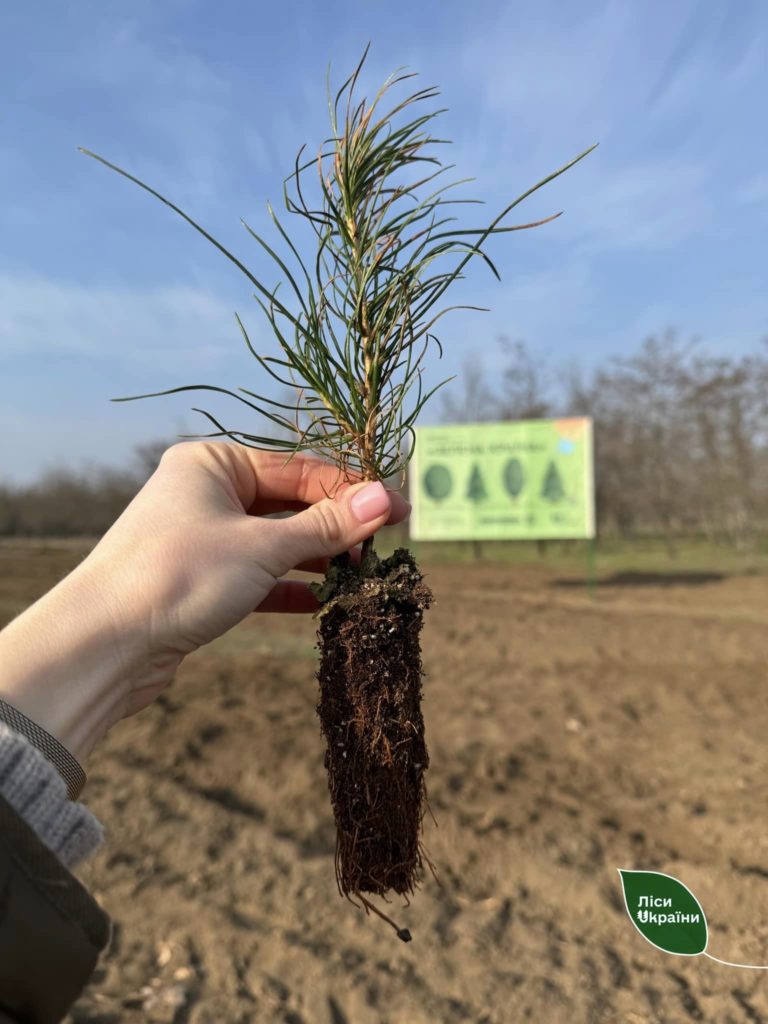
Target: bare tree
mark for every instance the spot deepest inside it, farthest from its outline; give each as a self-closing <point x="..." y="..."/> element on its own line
<point x="469" y="399"/>
<point x="524" y="384"/>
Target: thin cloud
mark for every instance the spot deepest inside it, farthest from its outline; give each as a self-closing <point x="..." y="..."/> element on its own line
<point x="650" y="205"/>
<point x="152" y="327"/>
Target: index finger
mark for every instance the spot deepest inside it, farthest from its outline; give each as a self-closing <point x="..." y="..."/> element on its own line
<point x="273" y="481"/>
<point x="305" y="478"/>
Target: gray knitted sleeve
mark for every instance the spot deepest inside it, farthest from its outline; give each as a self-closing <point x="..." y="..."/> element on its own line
<point x="38" y="794"/>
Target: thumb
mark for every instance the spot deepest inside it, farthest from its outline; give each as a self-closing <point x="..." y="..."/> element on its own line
<point x="333" y="525"/>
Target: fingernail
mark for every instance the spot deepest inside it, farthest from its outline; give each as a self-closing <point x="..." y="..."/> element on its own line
<point x="370" y="502"/>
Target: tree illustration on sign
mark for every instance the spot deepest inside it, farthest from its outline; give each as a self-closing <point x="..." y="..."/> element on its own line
<point x="476" y="489"/>
<point x="552" y="489"/>
<point x="513" y="477"/>
<point x="438" y="482"/>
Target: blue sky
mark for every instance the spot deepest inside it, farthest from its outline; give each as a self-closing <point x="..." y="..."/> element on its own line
<point x="103" y="292"/>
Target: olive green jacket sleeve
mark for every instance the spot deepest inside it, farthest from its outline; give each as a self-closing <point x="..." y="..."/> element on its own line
<point x="51" y="929"/>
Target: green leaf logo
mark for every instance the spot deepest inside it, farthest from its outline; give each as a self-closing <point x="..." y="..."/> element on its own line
<point x="665" y="912"/>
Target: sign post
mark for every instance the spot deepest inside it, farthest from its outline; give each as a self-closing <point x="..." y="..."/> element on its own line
<point x="521" y="480"/>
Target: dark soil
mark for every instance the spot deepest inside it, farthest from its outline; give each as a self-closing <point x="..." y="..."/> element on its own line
<point x="370" y="711"/>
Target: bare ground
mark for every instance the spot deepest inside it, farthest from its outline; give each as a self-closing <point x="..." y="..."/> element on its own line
<point x="568" y="738"/>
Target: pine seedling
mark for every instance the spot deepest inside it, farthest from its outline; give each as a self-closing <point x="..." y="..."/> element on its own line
<point x="354" y="326"/>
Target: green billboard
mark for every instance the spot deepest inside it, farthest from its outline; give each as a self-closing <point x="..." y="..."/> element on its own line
<point x="523" y="480"/>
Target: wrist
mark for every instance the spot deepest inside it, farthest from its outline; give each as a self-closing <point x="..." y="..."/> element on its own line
<point x="68" y="660"/>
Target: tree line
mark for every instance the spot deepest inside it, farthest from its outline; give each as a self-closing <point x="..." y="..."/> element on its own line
<point x="69" y="503"/>
<point x="681" y="443"/>
<point x="681" y="435"/>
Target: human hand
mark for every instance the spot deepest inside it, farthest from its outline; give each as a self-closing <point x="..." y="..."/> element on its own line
<point x="189" y="558"/>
